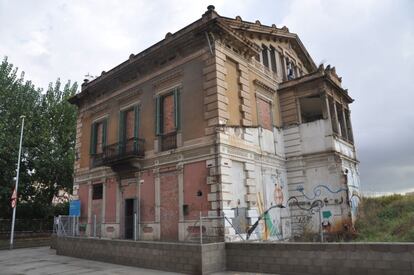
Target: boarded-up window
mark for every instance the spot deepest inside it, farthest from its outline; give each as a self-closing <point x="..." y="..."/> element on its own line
<point x="168" y="116"/>
<point x="130" y="124"/>
<point x="167" y="120"/>
<point x="98" y="137"/>
<point x="233" y="92"/>
<point x="264" y="113"/>
<point x="167" y="113"/>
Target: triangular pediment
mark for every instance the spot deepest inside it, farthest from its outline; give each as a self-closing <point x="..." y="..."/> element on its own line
<point x="278" y="37"/>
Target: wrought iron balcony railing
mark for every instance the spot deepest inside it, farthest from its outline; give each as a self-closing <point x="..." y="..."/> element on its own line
<point x="169" y="141"/>
<point x="131" y="148"/>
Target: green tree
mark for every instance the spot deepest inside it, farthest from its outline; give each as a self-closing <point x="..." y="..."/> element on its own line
<point x="48" y="143"/>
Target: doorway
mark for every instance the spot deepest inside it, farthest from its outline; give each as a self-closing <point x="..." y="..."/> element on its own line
<point x="130" y="211"/>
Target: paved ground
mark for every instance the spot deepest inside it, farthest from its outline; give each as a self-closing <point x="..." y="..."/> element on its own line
<point x="42" y="260"/>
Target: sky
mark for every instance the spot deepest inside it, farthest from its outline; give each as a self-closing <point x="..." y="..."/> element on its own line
<point x="370" y="42"/>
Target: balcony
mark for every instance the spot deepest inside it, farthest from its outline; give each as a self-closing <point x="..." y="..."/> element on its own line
<point x="169" y="141"/>
<point x="120" y="153"/>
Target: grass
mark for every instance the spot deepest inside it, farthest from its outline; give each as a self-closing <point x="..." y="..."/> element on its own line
<point x="386" y="219"/>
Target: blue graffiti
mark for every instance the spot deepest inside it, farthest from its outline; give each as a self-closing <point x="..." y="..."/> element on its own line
<point x="317" y="191"/>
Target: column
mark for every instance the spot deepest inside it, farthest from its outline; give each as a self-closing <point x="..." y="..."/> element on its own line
<point x="336" y="119"/>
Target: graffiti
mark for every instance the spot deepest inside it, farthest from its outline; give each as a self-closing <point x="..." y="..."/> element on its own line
<point x="314" y="206"/>
<point x="354" y="203"/>
<point x="317" y="191"/>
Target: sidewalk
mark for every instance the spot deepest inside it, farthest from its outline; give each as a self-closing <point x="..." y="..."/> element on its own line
<point x="44" y="261"/>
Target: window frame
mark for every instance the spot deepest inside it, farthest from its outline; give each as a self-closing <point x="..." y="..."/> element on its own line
<point x="270" y="102"/>
<point x="159" y="109"/>
<point x="99" y="195"/>
<point x="93" y="145"/>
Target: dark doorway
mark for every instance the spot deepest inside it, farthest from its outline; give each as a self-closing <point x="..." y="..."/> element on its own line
<point x="130" y="206"/>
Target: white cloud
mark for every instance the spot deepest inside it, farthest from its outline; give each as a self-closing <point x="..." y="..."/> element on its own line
<point x="371" y="43"/>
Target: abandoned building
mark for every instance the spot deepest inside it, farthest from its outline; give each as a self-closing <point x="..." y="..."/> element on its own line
<point x="226" y="120"/>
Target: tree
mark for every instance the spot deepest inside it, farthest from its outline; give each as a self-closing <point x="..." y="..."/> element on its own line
<point x="48" y="143"/>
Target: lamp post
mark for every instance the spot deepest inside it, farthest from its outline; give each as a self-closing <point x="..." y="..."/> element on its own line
<point x="17" y="183"/>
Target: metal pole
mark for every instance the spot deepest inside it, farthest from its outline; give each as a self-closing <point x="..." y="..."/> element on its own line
<point x="77" y="226"/>
<point x="94" y="225"/>
<point x="139" y="209"/>
<point x="201" y="229"/>
<point x="17" y="183"/>
<point x="73" y="226"/>
<point x="135" y="226"/>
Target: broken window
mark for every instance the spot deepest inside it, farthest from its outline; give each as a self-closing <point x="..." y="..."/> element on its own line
<point x="97" y="191"/>
<point x="264" y="113"/>
<point x="341" y="120"/>
<point x="265" y="56"/>
<point x="273" y="59"/>
<point x="290" y="71"/>
<point x="98" y="137"/>
<point x="349" y="127"/>
<point x="334" y="121"/>
<point x="311" y="108"/>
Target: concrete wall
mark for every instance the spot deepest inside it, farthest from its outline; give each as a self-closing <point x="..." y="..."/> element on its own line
<point x="178" y="257"/>
<point x="275" y="258"/>
<point x="325" y="258"/>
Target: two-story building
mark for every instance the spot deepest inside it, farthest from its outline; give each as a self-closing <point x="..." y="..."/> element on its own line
<point x="225" y="119"/>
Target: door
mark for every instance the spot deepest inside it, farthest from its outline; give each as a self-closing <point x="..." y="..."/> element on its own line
<point x="130" y="210"/>
<point x="169" y="207"/>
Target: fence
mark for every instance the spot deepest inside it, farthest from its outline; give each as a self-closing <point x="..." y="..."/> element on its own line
<point x="201" y="230"/>
<point x="24" y="227"/>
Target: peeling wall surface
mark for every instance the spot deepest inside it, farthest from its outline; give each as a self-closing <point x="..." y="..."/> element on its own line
<point x="235" y="134"/>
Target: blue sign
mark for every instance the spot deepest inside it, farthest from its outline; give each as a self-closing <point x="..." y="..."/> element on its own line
<point x="74" y="208"/>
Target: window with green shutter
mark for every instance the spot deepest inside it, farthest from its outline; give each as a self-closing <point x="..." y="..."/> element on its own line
<point x="129" y="128"/>
<point x="162" y="109"/>
<point x="168" y="118"/>
<point x="98" y="137"/>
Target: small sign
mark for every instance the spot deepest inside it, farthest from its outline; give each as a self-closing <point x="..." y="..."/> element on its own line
<point x="326" y="214"/>
<point x="13" y="199"/>
<point x="74" y="208"/>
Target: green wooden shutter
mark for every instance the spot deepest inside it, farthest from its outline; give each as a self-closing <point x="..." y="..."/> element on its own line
<point x="136" y="124"/>
<point x="121" y="131"/>
<point x="136" y="127"/>
<point x="104" y="131"/>
<point x="92" y="148"/>
<point x="177" y="109"/>
<point x="158" y="115"/>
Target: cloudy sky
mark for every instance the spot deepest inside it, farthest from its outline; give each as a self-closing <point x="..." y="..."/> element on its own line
<point x="370" y="42"/>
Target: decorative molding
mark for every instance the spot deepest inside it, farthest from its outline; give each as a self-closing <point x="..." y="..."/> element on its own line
<point x="264" y="86"/>
<point x="168" y="80"/>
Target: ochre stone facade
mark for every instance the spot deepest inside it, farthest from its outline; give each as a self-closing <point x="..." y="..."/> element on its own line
<point x="226" y="121"/>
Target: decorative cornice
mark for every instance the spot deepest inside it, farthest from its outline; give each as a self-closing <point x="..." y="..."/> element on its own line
<point x="264" y="86"/>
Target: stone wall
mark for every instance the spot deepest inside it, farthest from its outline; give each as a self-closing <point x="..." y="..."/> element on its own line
<point x="177" y="257"/>
<point x="321" y="258"/>
<point x="274" y="258"/>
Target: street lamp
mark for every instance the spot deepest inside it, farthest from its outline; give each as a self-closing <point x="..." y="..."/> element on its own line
<point x="17" y="183"/>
